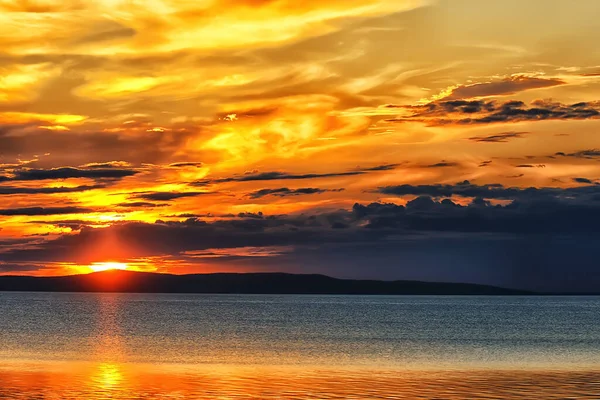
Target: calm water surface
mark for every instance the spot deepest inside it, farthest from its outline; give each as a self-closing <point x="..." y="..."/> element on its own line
<point x="134" y="346"/>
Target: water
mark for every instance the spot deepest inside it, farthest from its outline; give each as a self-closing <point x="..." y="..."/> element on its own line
<point x="135" y="346"/>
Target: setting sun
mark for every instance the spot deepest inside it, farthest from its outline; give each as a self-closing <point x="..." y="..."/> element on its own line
<point x="106" y="266"/>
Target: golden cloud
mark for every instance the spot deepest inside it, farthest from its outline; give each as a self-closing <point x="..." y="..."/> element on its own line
<point x="171" y="25"/>
<point x="22" y="82"/>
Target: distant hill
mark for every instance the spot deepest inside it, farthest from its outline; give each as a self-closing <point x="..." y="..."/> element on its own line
<point x="247" y="283"/>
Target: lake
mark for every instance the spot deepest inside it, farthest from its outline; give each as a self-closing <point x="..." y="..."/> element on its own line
<point x="139" y="346"/>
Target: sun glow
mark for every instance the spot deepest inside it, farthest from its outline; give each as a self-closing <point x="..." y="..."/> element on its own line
<point x="106" y="266"/>
<point x="107" y="376"/>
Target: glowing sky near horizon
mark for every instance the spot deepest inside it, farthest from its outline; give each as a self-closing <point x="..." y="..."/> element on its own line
<point x="238" y="135"/>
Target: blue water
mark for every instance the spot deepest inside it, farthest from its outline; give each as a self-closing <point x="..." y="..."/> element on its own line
<point x="387" y="331"/>
<point x="134" y="346"/>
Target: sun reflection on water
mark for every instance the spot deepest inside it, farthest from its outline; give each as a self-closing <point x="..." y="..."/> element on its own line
<point x="127" y="382"/>
<point x="108" y="342"/>
<point x="107" y="376"/>
<point x="125" y="347"/>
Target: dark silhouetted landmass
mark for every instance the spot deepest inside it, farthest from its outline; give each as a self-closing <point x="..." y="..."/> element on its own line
<point x="248" y="283"/>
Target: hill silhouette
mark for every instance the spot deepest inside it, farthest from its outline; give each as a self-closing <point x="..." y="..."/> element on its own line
<point x="242" y="283"/>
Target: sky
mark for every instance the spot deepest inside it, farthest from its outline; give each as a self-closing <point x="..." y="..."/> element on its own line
<point x="448" y="140"/>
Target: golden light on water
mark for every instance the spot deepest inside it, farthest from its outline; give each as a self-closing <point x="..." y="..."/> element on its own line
<point x="107" y="266"/>
<point x="108" y="375"/>
<point x="117" y="362"/>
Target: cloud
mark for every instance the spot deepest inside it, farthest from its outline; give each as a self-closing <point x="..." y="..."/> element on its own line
<point x="442" y="164"/>
<point x="132" y="140"/>
<point x="522" y="216"/>
<point x="258" y="215"/>
<point x="40" y="7"/>
<point x="186" y="164"/>
<point x="477" y="112"/>
<point x="383" y="167"/>
<point x="31" y="211"/>
<point x="536" y="223"/>
<point x="107" y="165"/>
<point x="10" y="190"/>
<point x="177" y="26"/>
<point x="19" y="267"/>
<point x="283" y="192"/>
<point x="501" y="137"/>
<point x="107" y="31"/>
<point x="280" y="175"/>
<point x="506" y="86"/>
<point x="530" y="166"/>
<point x="139" y="204"/>
<point x="73" y="224"/>
<point x="490" y="191"/>
<point x="176" y="76"/>
<point x="583" y="180"/>
<point x="587" y="154"/>
<point x="70" y="172"/>
<point x="168" y="196"/>
<point x="240" y="252"/>
<point x="533" y="211"/>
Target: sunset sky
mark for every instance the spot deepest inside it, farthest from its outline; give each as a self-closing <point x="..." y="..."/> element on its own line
<point x="449" y="140"/>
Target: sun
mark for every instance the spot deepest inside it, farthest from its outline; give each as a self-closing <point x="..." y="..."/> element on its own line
<point x="106" y="266"/>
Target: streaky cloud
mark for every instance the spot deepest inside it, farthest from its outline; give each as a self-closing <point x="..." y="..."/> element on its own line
<point x="284" y="192"/>
<point x="11" y="190"/>
<point x="70" y="172"/>
<point x="480" y="112"/>
<point x="34" y="211"/>
<point x="281" y="175"/>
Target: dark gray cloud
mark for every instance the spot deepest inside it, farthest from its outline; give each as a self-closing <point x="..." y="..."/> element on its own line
<point x="522" y="216"/>
<point x="586" y="154"/>
<point x="140" y="204"/>
<point x="501" y="137"/>
<point x="107" y="165"/>
<point x="280" y="175"/>
<point x="532" y="210"/>
<point x="490" y="191"/>
<point x="530" y="166"/>
<point x="272" y="176"/>
<point x="44" y="211"/>
<point x="186" y="164"/>
<point x="19" y="267"/>
<point x="9" y="190"/>
<point x="532" y="237"/>
<point x="197" y="215"/>
<point x="70" y="172"/>
<point x="442" y="164"/>
<point x="167" y="196"/>
<point x="474" y="112"/>
<point x="583" y="180"/>
<point x="258" y="215"/>
<point x="364" y="223"/>
<point x="506" y="86"/>
<point x="283" y="192"/>
<point x="383" y="167"/>
<point x="73" y="224"/>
